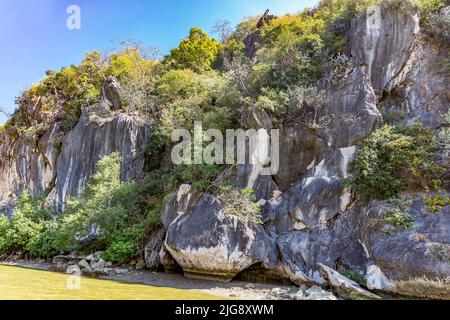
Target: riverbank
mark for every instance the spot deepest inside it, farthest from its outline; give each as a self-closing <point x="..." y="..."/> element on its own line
<point x="155" y="284"/>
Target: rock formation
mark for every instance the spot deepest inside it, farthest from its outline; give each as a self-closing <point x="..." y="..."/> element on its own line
<point x="311" y="225"/>
<point x="313" y="219"/>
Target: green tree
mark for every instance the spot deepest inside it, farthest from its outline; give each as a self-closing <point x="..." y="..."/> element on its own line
<point x="197" y="52"/>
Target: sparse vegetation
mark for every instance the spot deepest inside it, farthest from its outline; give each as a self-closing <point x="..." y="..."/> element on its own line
<point x="240" y="203"/>
<point x="440" y="251"/>
<point x="354" y="275"/>
<point x="423" y="288"/>
<point x="436" y="201"/>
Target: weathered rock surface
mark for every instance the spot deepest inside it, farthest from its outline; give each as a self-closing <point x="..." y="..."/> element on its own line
<point x="88" y="142"/>
<point x="58" y="164"/>
<point x="406" y="253"/>
<point x="424" y="95"/>
<point x="312" y="225"/>
<point x="382" y="39"/>
<point x="111" y="93"/>
<point x="315" y="293"/>
<point x="153" y="248"/>
<point x="308" y="211"/>
<point x="316" y="198"/>
<point x="351" y="109"/>
<point x="207" y="243"/>
<point x="26" y="164"/>
<point x="344" y="287"/>
<point x="377" y="280"/>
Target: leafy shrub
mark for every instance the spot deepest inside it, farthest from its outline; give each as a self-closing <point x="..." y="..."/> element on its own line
<point x="439" y="25"/>
<point x="340" y="67"/>
<point x="23" y="234"/>
<point x="443" y="138"/>
<point x="354" y="275"/>
<point x="104" y="203"/>
<point x="393" y="159"/>
<point x="395" y="212"/>
<point x="436" y="201"/>
<point x="240" y="203"/>
<point x="399" y="219"/>
<point x="429" y="7"/>
<point x="291" y="61"/>
<point x="125" y="245"/>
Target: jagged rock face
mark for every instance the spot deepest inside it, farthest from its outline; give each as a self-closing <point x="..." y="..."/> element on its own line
<point x="26" y="164"/>
<point x="424" y="95"/>
<point x="312" y="218"/>
<point x="382" y="39"/>
<point x="61" y="164"/>
<point x="302" y="250"/>
<point x="299" y="151"/>
<point x="352" y="109"/>
<point x="111" y="93"/>
<point x="89" y="141"/>
<point x="207" y="243"/>
<point x="411" y="252"/>
<point x="314" y="199"/>
<point x="153" y="248"/>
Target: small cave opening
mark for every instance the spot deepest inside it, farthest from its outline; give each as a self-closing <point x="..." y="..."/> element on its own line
<point x="257" y="273"/>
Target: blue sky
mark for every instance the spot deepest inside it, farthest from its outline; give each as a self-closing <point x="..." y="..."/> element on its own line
<point x="34" y="37"/>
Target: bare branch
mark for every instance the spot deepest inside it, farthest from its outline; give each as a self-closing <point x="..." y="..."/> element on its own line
<point x="5" y="112"/>
<point x="223" y="30"/>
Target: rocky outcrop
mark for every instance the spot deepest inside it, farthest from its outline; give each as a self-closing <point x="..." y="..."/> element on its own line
<point x="415" y="246"/>
<point x="344" y="287"/>
<point x="424" y="94"/>
<point x="111" y="93"/>
<point x="309" y="215"/>
<point x="207" y="243"/>
<point x="88" y="142"/>
<point x="311" y="223"/>
<point x="382" y="40"/>
<point x="58" y="165"/>
<point x="351" y="109"/>
<point x="26" y="164"/>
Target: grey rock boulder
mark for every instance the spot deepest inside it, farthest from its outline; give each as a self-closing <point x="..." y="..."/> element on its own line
<point x="315" y="293"/>
<point x="344" y="287"/>
<point x="209" y="244"/>
<point x="84" y="264"/>
<point x="111" y="93"/>
<point x="377" y="280"/>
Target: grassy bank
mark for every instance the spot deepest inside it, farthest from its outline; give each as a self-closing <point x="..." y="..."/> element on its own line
<point x="18" y="283"/>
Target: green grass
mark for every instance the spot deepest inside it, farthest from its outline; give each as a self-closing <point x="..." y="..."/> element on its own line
<point x="18" y="283"/>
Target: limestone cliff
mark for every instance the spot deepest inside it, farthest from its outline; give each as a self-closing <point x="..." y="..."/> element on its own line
<point x="312" y="218"/>
<point x="58" y="164"/>
<point x="309" y="215"/>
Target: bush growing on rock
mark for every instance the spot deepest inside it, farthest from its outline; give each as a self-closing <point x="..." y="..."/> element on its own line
<point x="395" y="159"/>
<point x="240" y="203"/>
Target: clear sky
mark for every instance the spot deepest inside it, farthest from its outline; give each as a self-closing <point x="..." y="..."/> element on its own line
<point x="34" y="37"/>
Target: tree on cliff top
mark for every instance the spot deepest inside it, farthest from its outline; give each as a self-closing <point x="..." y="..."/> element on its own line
<point x="197" y="52"/>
